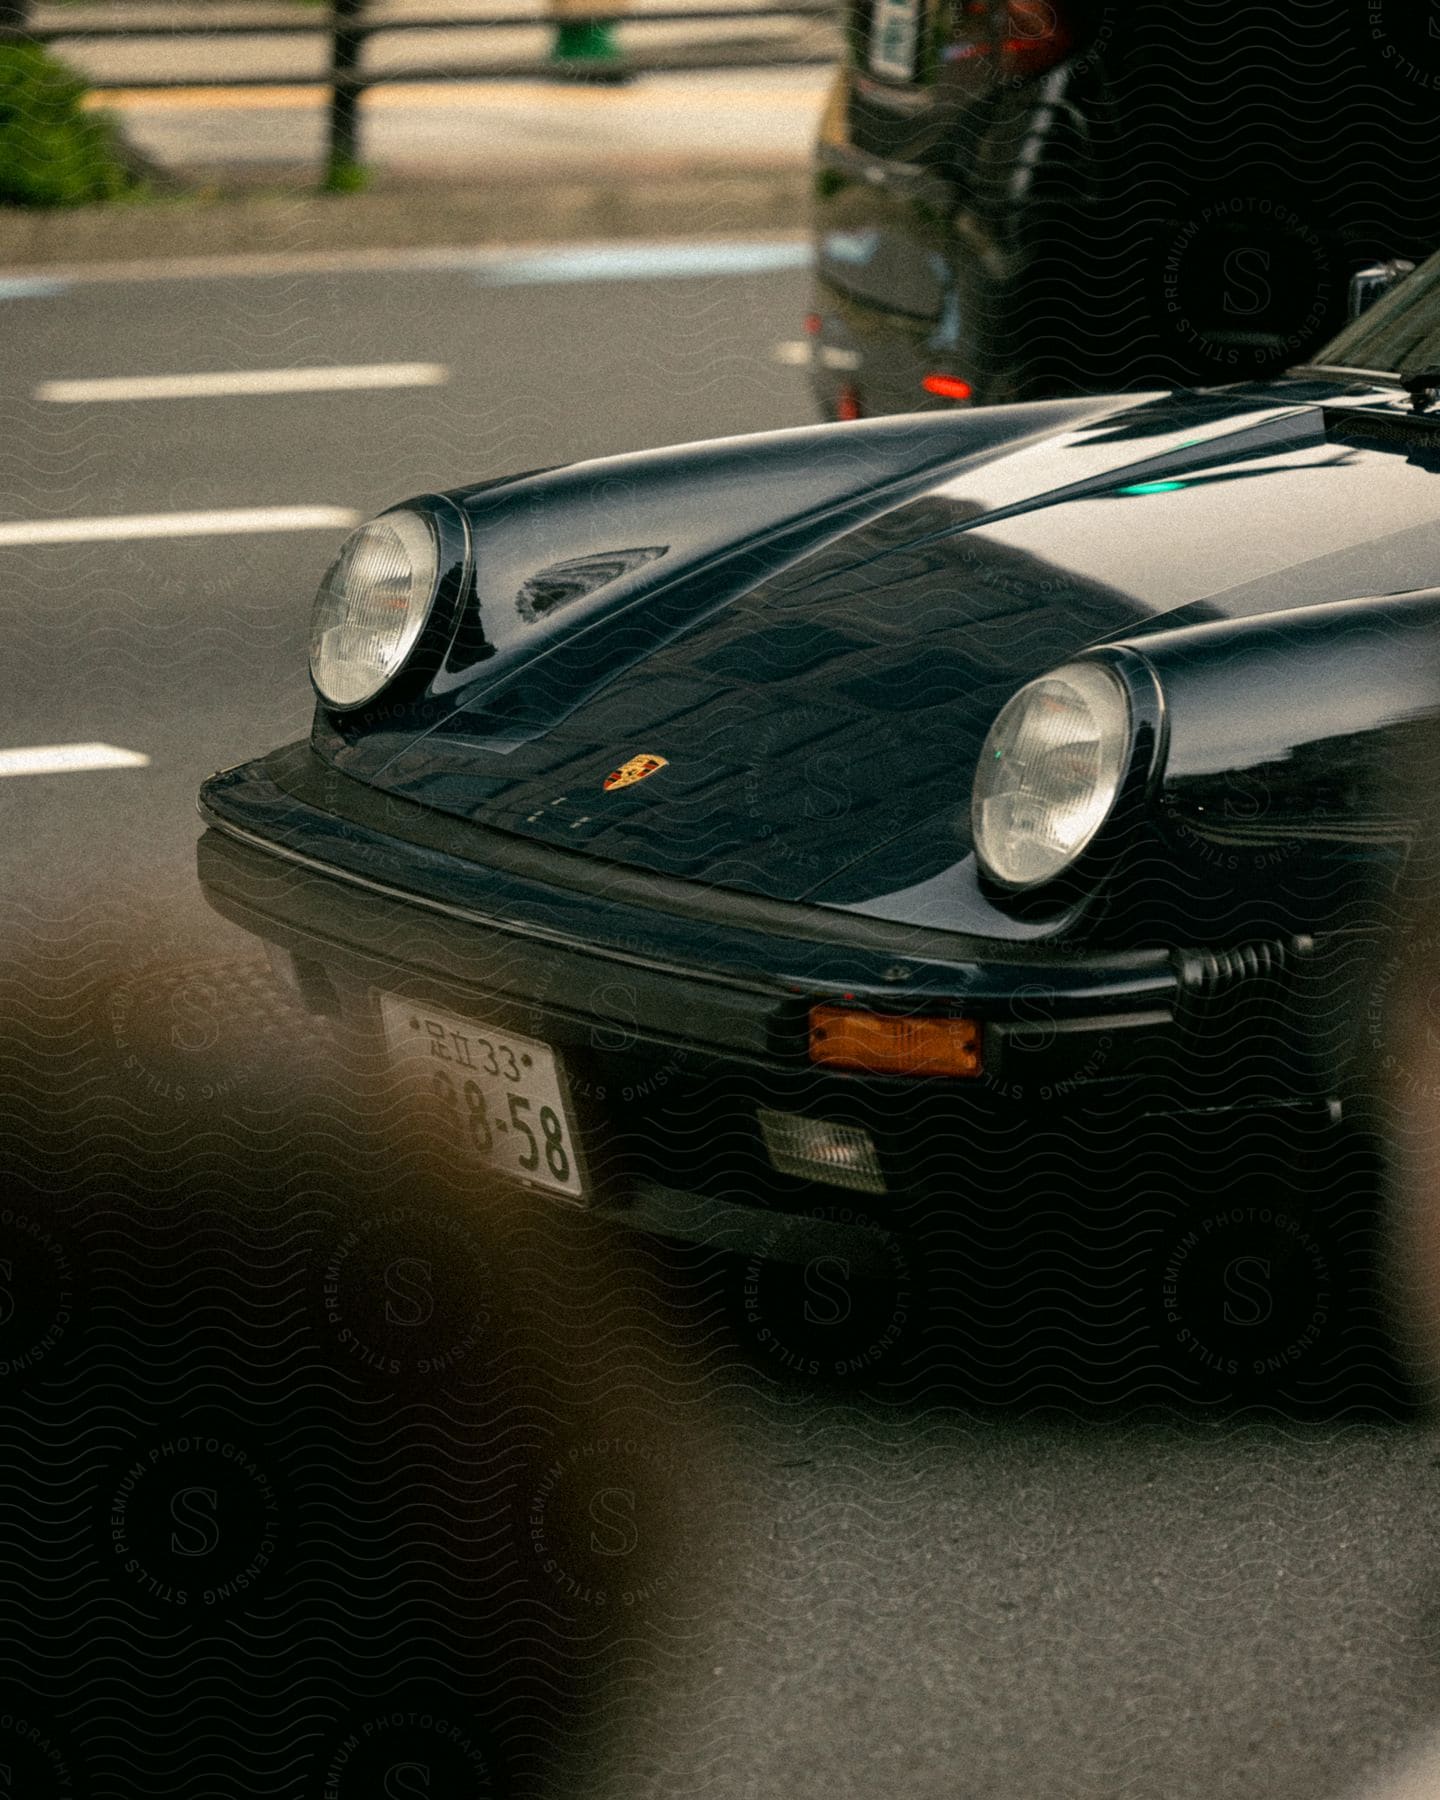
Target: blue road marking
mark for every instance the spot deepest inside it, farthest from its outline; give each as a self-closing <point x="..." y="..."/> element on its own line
<point x="31" y="287"/>
<point x="635" y="262"/>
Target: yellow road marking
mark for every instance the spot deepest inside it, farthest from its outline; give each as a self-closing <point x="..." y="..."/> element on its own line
<point x="421" y="94"/>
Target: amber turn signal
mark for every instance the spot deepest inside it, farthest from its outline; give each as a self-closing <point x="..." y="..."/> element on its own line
<point x="842" y="1037"/>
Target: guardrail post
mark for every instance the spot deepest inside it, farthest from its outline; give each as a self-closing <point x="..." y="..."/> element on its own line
<point x="343" y="172"/>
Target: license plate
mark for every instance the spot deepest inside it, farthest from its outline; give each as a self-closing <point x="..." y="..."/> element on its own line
<point x="496" y="1096"/>
<point x="894" y="29"/>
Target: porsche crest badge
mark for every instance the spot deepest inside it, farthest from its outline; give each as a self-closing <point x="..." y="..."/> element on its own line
<point x="637" y="769"/>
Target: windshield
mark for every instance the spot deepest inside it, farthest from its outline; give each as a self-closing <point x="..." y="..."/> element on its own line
<point x="1398" y="334"/>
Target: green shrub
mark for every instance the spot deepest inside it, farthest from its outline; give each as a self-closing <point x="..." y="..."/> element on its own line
<point x="53" y="152"/>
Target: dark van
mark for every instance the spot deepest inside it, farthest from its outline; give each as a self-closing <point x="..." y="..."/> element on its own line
<point x="1021" y="198"/>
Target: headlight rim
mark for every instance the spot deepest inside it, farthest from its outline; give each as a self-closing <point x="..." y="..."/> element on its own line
<point x="1142" y="766"/>
<point x="451" y="592"/>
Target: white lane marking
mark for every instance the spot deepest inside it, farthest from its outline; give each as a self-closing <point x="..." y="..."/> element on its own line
<point x="661" y="261"/>
<point x="68" y="759"/>
<point x="800" y="353"/>
<point x="30" y="287"/>
<point x="219" y="382"/>
<point x="170" y="525"/>
<point x="444" y="259"/>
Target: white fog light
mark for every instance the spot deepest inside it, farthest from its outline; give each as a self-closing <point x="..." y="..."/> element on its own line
<point x="843" y="1155"/>
<point x="372" y="606"/>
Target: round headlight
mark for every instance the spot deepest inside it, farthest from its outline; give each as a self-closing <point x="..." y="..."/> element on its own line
<point x="1049" y="773"/>
<point x="372" y="607"/>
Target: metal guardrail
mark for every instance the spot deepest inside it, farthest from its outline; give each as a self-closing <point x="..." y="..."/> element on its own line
<point x="349" y="29"/>
<point x="802" y="9"/>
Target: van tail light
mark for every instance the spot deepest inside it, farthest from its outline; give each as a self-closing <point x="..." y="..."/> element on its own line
<point x="1026" y="36"/>
<point x="1037" y="35"/>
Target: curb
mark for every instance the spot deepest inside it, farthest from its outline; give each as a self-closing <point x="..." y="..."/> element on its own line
<point x="413" y="213"/>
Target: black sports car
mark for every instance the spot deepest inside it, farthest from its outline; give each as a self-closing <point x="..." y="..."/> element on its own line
<point x="778" y="841"/>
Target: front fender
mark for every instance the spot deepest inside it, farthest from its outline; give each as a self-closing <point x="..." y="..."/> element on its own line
<point x="1289" y="789"/>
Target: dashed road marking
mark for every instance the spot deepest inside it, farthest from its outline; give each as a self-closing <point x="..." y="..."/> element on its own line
<point x="173" y="525"/>
<point x="219" y="383"/>
<point x="636" y="262"/>
<point x="31" y="287"/>
<point x="69" y="759"/>
<point x="800" y="353"/>
<point x="454" y="259"/>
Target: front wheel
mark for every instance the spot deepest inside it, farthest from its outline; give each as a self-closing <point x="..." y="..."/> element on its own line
<point x="1399" y="1137"/>
<point x="1260" y="1285"/>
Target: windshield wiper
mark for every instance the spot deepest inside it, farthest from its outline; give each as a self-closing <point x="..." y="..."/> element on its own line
<point x="1350" y="371"/>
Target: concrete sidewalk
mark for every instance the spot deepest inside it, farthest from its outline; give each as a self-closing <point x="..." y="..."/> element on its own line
<point x="493" y="133"/>
<point x="202" y="54"/>
<point x="398" y="214"/>
<point x="451" y="163"/>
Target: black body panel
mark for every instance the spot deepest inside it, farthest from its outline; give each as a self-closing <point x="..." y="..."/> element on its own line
<point x="814" y="631"/>
<point x="819" y="689"/>
<point x="293" y="804"/>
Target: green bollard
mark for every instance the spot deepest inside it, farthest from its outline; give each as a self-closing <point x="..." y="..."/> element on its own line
<point x="584" y="40"/>
<point x="585" y="48"/>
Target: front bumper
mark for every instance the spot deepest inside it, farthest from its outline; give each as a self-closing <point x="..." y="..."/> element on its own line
<point x="680" y="1011"/>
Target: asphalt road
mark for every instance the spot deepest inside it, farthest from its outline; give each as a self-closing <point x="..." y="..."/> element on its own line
<point x="852" y="1593"/>
<point x="192" y="651"/>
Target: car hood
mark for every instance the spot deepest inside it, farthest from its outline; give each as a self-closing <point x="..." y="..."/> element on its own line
<point x="813" y="732"/>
